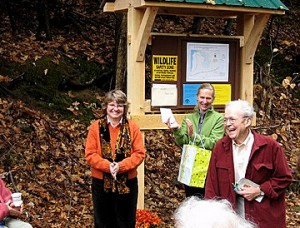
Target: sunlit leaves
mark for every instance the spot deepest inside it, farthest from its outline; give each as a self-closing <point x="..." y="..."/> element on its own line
<point x="287" y="82"/>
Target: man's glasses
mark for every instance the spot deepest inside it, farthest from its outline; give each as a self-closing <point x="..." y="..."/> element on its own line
<point x="232" y="120"/>
<point x="118" y="106"/>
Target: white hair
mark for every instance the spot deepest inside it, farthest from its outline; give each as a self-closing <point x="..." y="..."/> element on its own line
<point x="194" y="213"/>
<point x="244" y="106"/>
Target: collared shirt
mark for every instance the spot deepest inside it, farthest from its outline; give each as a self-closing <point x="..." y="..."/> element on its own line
<point x="201" y="119"/>
<point x="241" y="154"/>
<point x="114" y="126"/>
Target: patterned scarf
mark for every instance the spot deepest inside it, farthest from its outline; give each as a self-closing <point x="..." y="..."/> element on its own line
<point x="122" y="150"/>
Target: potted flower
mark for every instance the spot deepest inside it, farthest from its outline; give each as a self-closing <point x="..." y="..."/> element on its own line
<point x="146" y="219"/>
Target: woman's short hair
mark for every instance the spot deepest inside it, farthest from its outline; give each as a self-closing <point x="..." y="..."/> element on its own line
<point x="116" y="95"/>
<point x="195" y="212"/>
<point x="207" y="86"/>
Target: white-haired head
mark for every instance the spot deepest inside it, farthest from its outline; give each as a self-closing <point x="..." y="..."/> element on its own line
<point x="244" y="107"/>
<point x="195" y="213"/>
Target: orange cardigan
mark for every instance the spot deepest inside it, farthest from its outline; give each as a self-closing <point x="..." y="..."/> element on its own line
<point x="93" y="152"/>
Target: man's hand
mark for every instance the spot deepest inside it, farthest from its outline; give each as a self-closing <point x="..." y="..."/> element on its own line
<point x="249" y="193"/>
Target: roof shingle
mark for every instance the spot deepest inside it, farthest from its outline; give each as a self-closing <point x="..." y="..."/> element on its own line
<point x="265" y="4"/>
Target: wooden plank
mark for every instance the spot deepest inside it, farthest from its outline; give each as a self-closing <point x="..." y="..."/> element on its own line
<point x="135" y="70"/>
<point x="153" y="121"/>
<point x="240" y="38"/>
<point x="245" y="25"/>
<point x="118" y="6"/>
<point x="186" y="7"/>
<point x="190" y="9"/>
<point x="144" y="32"/>
<point x="141" y="182"/>
<point x="109" y="7"/>
<point x="135" y="82"/>
<point x="255" y="35"/>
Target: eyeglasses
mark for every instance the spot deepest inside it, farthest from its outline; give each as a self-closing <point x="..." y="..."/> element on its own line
<point x="232" y="120"/>
<point x="118" y="106"/>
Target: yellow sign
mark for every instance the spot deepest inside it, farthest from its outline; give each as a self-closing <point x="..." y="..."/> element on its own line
<point x="164" y="68"/>
<point x="222" y="94"/>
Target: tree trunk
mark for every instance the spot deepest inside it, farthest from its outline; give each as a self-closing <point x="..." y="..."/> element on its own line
<point x="229" y="27"/>
<point x="11" y="16"/>
<point x="43" y="19"/>
<point x="121" y="65"/>
<point x="197" y="22"/>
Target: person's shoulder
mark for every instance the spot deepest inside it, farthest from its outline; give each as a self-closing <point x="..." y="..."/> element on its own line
<point x="215" y="113"/>
<point x="218" y="114"/>
<point x="2" y="183"/>
<point x="258" y="136"/>
<point x="191" y="115"/>
<point x="94" y="124"/>
<point x="265" y="139"/>
<point x="223" y="141"/>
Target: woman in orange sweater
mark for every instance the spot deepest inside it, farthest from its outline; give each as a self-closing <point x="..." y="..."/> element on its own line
<point x="114" y="149"/>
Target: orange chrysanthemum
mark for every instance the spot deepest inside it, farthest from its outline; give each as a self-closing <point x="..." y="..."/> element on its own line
<point x="146" y="219"/>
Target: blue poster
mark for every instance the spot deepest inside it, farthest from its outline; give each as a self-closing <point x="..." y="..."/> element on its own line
<point x="190" y="94"/>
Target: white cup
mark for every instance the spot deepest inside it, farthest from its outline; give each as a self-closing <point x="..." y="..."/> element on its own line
<point x="17" y="198"/>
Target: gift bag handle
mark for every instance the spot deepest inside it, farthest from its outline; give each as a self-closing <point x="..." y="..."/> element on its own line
<point x="193" y="143"/>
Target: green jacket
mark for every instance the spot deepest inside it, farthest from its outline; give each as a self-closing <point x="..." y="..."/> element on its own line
<point x="212" y="129"/>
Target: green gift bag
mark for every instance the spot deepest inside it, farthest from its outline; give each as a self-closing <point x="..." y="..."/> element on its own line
<point x="193" y="165"/>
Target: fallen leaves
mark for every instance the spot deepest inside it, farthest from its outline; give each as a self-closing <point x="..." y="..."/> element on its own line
<point x="46" y="157"/>
<point x="47" y="163"/>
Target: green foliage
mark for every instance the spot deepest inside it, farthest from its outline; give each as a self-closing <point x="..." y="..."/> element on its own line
<point x="89" y="70"/>
<point x="40" y="84"/>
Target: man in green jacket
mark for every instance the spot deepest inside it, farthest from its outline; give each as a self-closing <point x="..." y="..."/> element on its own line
<point x="204" y="126"/>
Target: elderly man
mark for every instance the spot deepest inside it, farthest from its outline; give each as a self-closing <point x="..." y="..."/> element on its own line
<point x="243" y="153"/>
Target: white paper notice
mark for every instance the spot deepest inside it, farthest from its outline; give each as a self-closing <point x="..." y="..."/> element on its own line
<point x="164" y="95"/>
<point x="166" y="114"/>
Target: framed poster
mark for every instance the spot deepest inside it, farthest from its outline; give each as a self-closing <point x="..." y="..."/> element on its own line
<point x="222" y="94"/>
<point x="207" y="62"/>
<point x="164" y="68"/>
<point x="189" y="94"/>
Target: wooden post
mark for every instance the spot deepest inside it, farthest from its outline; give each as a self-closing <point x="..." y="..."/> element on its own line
<point x="251" y="27"/>
<point x="135" y="82"/>
<point x="245" y="25"/>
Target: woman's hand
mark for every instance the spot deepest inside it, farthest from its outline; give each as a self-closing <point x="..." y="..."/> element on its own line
<point x="190" y="129"/>
<point x="114" y="169"/>
<point x="172" y="123"/>
<point x="13" y="210"/>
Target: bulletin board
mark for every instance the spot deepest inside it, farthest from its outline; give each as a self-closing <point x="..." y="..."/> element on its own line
<point x="180" y="64"/>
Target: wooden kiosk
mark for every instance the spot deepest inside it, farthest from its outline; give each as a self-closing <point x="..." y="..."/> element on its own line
<point x="251" y="18"/>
